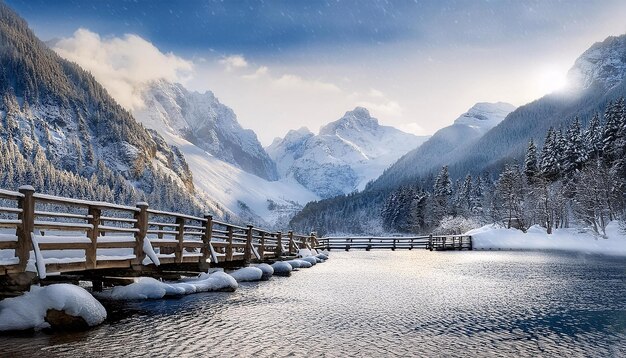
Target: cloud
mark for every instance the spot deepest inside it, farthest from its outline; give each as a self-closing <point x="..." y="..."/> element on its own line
<point x="234" y="62"/>
<point x="260" y="72"/>
<point x="289" y="81"/>
<point x="123" y="65"/>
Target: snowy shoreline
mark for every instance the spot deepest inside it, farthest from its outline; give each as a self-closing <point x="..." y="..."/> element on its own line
<point x="495" y="237"/>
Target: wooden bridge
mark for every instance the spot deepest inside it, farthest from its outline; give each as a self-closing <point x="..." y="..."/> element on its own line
<point x="49" y="234"/>
<point x="430" y="242"/>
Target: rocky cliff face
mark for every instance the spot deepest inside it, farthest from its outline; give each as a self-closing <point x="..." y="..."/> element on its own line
<point x="603" y="64"/>
<point x="201" y="119"/>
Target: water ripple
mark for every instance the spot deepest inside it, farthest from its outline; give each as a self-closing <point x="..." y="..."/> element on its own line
<point x="412" y="303"/>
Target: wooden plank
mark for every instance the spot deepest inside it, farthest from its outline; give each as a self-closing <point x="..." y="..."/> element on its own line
<point x="123" y="220"/>
<point x="10" y="210"/>
<point x="65" y="246"/>
<point x="118" y="229"/>
<point x="141" y="224"/>
<point x="116" y="245"/>
<point x="8" y="245"/>
<point x="66" y="267"/>
<point x="180" y="221"/>
<point x="178" y="215"/>
<point x="108" y="264"/>
<point x="6" y="194"/>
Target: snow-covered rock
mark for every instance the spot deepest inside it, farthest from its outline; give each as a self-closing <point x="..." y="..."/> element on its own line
<point x="300" y="263"/>
<point x="344" y="156"/>
<point x="204" y="121"/>
<point x="310" y="259"/>
<point x="29" y="310"/>
<point x="602" y="64"/>
<point x="150" y="288"/>
<point x="267" y="270"/>
<point x="282" y="268"/>
<point x="247" y="274"/>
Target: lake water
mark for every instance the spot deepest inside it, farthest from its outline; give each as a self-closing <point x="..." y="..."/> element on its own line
<point x="378" y="303"/>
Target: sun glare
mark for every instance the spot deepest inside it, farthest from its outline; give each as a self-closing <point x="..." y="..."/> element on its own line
<point x="550" y="79"/>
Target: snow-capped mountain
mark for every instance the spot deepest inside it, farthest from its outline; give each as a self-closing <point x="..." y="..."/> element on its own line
<point x="344" y="156"/>
<point x="602" y="64"/>
<point x="227" y="163"/>
<point x="483" y="116"/>
<point x="201" y="119"/>
<point x="446" y="144"/>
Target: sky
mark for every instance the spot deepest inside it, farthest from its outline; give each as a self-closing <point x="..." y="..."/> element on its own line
<point x="416" y="65"/>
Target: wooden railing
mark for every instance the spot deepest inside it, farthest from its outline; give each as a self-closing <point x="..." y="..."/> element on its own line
<point x="78" y="235"/>
<point x="430" y="242"/>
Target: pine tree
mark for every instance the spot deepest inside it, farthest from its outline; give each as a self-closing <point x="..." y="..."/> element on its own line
<point x="575" y="155"/>
<point x="531" y="170"/>
<point x="550" y="156"/>
<point x="593" y="138"/>
<point x="442" y="192"/>
<point x="612" y="119"/>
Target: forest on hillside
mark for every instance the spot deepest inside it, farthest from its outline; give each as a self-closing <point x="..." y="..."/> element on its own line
<point x="577" y="178"/>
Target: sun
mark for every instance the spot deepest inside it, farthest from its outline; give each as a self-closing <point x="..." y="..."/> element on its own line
<point x="550" y="79"/>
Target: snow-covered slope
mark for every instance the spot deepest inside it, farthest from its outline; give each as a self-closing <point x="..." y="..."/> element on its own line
<point x="446" y="144"/>
<point x="248" y="196"/>
<point x="201" y="119"/>
<point x="344" y="156"/>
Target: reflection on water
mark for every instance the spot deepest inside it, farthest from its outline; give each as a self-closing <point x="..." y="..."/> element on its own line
<point x="378" y="303"/>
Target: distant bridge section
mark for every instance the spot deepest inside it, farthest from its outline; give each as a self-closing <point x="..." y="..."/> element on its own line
<point x="430" y="242"/>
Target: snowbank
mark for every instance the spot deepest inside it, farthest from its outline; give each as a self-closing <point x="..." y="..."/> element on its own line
<point x="247" y="274"/>
<point x="497" y="237"/>
<point x="282" y="268"/>
<point x="149" y="288"/>
<point x="29" y="310"/>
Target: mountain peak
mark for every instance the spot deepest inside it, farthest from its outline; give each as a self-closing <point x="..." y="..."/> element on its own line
<point x="355" y="120"/>
<point x="604" y="63"/>
<point x="485" y="115"/>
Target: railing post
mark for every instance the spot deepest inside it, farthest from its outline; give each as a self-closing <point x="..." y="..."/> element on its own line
<point x="180" y="237"/>
<point x="293" y="247"/>
<point x="141" y="224"/>
<point x="27" y="218"/>
<point x="206" y="241"/>
<point x="314" y="242"/>
<point x="248" y="250"/>
<point x="262" y="247"/>
<point x="93" y="234"/>
<point x="229" y="246"/>
<point x="369" y="244"/>
<point x="470" y="243"/>
<point x="430" y="242"/>
<point x="279" y="246"/>
<point x="394" y="245"/>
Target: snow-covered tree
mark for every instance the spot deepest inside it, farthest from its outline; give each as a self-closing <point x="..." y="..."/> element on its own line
<point x="531" y="169"/>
